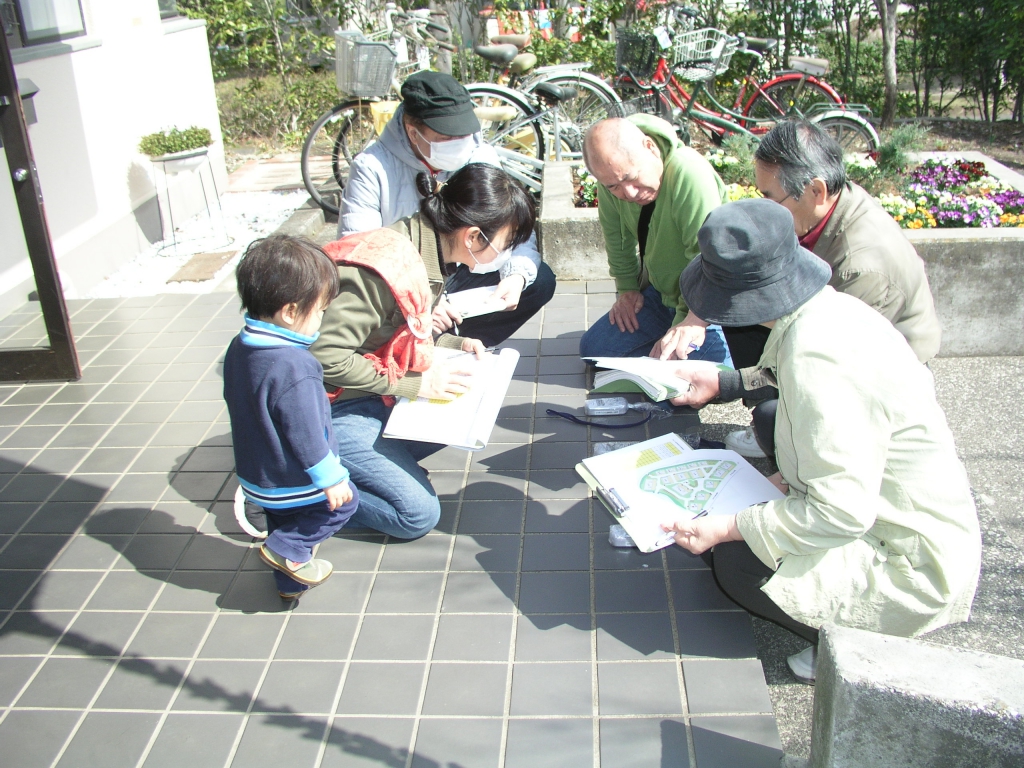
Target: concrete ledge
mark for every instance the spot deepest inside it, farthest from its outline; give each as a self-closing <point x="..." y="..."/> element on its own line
<point x="888" y="701"/>
<point x="305" y="222"/>
<point x="975" y="274"/>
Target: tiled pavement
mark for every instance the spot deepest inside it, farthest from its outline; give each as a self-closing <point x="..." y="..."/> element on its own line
<point x="138" y="628"/>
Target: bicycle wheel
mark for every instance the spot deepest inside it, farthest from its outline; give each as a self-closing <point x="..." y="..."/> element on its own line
<point x="852" y="132"/>
<point x="595" y="100"/>
<point x="336" y="137"/>
<point x="789" y="97"/>
<point x="507" y="125"/>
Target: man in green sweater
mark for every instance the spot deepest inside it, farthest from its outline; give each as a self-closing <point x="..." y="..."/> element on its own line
<point x="654" y="196"/>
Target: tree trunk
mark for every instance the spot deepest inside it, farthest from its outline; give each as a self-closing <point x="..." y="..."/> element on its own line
<point x="887" y="13"/>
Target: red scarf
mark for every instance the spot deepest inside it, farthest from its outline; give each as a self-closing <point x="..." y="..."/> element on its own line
<point x="394" y="258"/>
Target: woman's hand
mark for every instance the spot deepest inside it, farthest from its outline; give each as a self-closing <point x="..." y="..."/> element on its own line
<point x="475" y="346"/>
<point x="509" y="290"/>
<point x="702" y="533"/>
<point x="447" y="379"/>
<point x="444" y="316"/>
<point x="681" y="340"/>
<point x="703" y="378"/>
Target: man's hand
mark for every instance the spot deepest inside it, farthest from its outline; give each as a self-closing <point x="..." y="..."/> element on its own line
<point x="444" y="316"/>
<point x="625" y="309"/>
<point x="681" y="339"/>
<point x="779" y="483"/>
<point x="338" y="495"/>
<point x="509" y="290"/>
<point x="703" y="378"/>
<point x="702" y="533"/>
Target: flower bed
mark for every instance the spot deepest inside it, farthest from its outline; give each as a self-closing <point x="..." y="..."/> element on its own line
<point x="585" y="189"/>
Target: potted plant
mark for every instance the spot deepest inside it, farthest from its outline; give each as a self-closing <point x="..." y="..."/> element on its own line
<point x="178" y="150"/>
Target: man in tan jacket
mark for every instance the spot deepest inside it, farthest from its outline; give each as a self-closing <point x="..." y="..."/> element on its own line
<point x="800" y="167"/>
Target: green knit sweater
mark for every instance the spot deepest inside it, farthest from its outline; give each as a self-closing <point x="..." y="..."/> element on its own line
<point x="690" y="190"/>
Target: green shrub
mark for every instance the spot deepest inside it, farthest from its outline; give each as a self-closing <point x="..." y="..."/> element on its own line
<point x="174" y="140"/>
<point x="264" y="109"/>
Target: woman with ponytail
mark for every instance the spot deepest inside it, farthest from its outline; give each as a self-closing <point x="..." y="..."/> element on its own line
<point x="377" y="338"/>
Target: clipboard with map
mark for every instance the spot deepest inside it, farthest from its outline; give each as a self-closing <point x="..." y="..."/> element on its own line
<point x="663" y="479"/>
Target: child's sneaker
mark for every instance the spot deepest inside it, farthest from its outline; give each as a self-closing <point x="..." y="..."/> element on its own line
<point x="250" y="517"/>
<point x="310" y="573"/>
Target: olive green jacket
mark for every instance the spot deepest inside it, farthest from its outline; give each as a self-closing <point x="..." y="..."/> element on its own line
<point x="878" y="530"/>
<point x="365" y="316"/>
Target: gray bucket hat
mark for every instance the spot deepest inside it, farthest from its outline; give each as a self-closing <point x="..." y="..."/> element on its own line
<point x="751" y="268"/>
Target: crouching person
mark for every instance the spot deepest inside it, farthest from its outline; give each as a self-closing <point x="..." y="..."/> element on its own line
<point x="877" y="529"/>
<point x="286" y="454"/>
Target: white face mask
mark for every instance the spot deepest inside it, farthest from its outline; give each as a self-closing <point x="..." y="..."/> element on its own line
<point x="449" y="155"/>
<point x="492" y="266"/>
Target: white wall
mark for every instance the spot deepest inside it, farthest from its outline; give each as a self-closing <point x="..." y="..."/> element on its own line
<point x="93" y="105"/>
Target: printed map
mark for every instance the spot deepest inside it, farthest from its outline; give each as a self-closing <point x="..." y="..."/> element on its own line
<point x="691" y="485"/>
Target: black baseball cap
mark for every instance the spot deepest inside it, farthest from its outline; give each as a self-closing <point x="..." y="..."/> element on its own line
<point x="441" y="102"/>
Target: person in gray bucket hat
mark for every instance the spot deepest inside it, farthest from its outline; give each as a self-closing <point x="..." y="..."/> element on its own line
<point x="877" y="528"/>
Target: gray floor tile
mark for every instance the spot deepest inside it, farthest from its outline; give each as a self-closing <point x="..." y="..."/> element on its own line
<point x="199" y="486"/>
<point x="155" y="551"/>
<point x="116" y="518"/>
<point x="317" y="637"/>
<point x="142" y="489"/>
<point x="557" y="484"/>
<point x="679" y="559"/>
<point x="107" y="460"/>
<point x="33" y="632"/>
<point x="164" y="635"/>
<point x="368" y="742"/>
<point x="631" y="743"/>
<point x="13" y="515"/>
<point x="479" y="593"/>
<point x="566" y="592"/>
<point x="561" y="364"/>
<point x="719" y="635"/>
<point x="491" y="517"/>
<point x="465" y="689"/>
<point x="178" y="517"/>
<point x="237" y="636"/>
<point x="630" y="591"/>
<point x="126" y="590"/>
<point x="142" y="684"/>
<point x="30" y="487"/>
<point x="451" y="459"/>
<point x="299" y="686"/>
<point x="515" y="431"/>
<point x="64" y="682"/>
<point x="198" y="741"/>
<point x="486" y="552"/>
<point x="254" y="592"/>
<point x="558" y="516"/>
<point x="59" y="517"/>
<point x="87" y="488"/>
<point x="553" y="637"/>
<point x="473" y="638"/>
<point x="128" y="435"/>
<point x="14" y="585"/>
<point x="215" y="553"/>
<point x="696" y="590"/>
<point x="280" y="740"/>
<point x="489" y="486"/>
<point x="405" y="592"/>
<point x="502" y="457"/>
<point x="551" y="455"/>
<point x="556" y="552"/>
<point x="723" y="742"/>
<point x="98" y="633"/>
<point x="642" y="688"/>
<point x="219" y="686"/>
<point x="193" y="591"/>
<point x="62" y="590"/>
<point x="109" y="739"/>
<point x="549" y="743"/>
<point x="551" y="689"/>
<point x="374" y="688"/>
<point x="31" y="437"/>
<point x="60" y="461"/>
<point x="463" y="742"/>
<point x="428" y="553"/>
<point x="342" y="593"/>
<point x="99" y="413"/>
<point x="609" y="558"/>
<point x="32" y="739"/>
<point x="352" y="552"/>
<point x="634" y="636"/>
<point x="726" y="686"/>
<point x="394" y="637"/>
<point x="14" y="673"/>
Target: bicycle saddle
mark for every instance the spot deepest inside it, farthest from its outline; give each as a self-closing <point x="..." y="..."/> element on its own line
<point x="519" y="41"/>
<point x="523" y="63"/>
<point x="552" y="93"/>
<point x="762" y="44"/>
<point x="497" y="54"/>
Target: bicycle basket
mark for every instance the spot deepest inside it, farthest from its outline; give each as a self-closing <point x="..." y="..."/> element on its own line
<point x="363" y="68"/>
<point x="702" y="54"/>
<point x="637" y="52"/>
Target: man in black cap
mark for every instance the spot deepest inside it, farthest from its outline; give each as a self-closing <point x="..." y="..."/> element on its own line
<point x="877" y="529"/>
<point x="436" y="131"/>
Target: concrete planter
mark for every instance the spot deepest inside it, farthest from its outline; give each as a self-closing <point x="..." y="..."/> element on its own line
<point x="975" y="274"/>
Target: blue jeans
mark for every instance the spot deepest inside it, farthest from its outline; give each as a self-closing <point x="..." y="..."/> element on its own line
<point x="294" y="532"/>
<point x="604" y="339"/>
<point x="395" y="496"/>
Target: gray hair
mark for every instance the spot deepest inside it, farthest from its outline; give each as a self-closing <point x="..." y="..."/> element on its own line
<point x="802" y="151"/>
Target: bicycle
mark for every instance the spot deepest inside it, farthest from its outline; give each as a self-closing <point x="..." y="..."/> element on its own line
<point x="369" y="70"/>
<point x="651" y="84"/>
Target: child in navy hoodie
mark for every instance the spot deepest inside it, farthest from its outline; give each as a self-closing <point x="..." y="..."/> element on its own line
<point x="286" y="455"/>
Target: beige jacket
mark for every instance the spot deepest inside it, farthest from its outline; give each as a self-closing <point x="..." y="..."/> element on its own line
<point x="879" y="529"/>
<point x="872" y="260"/>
